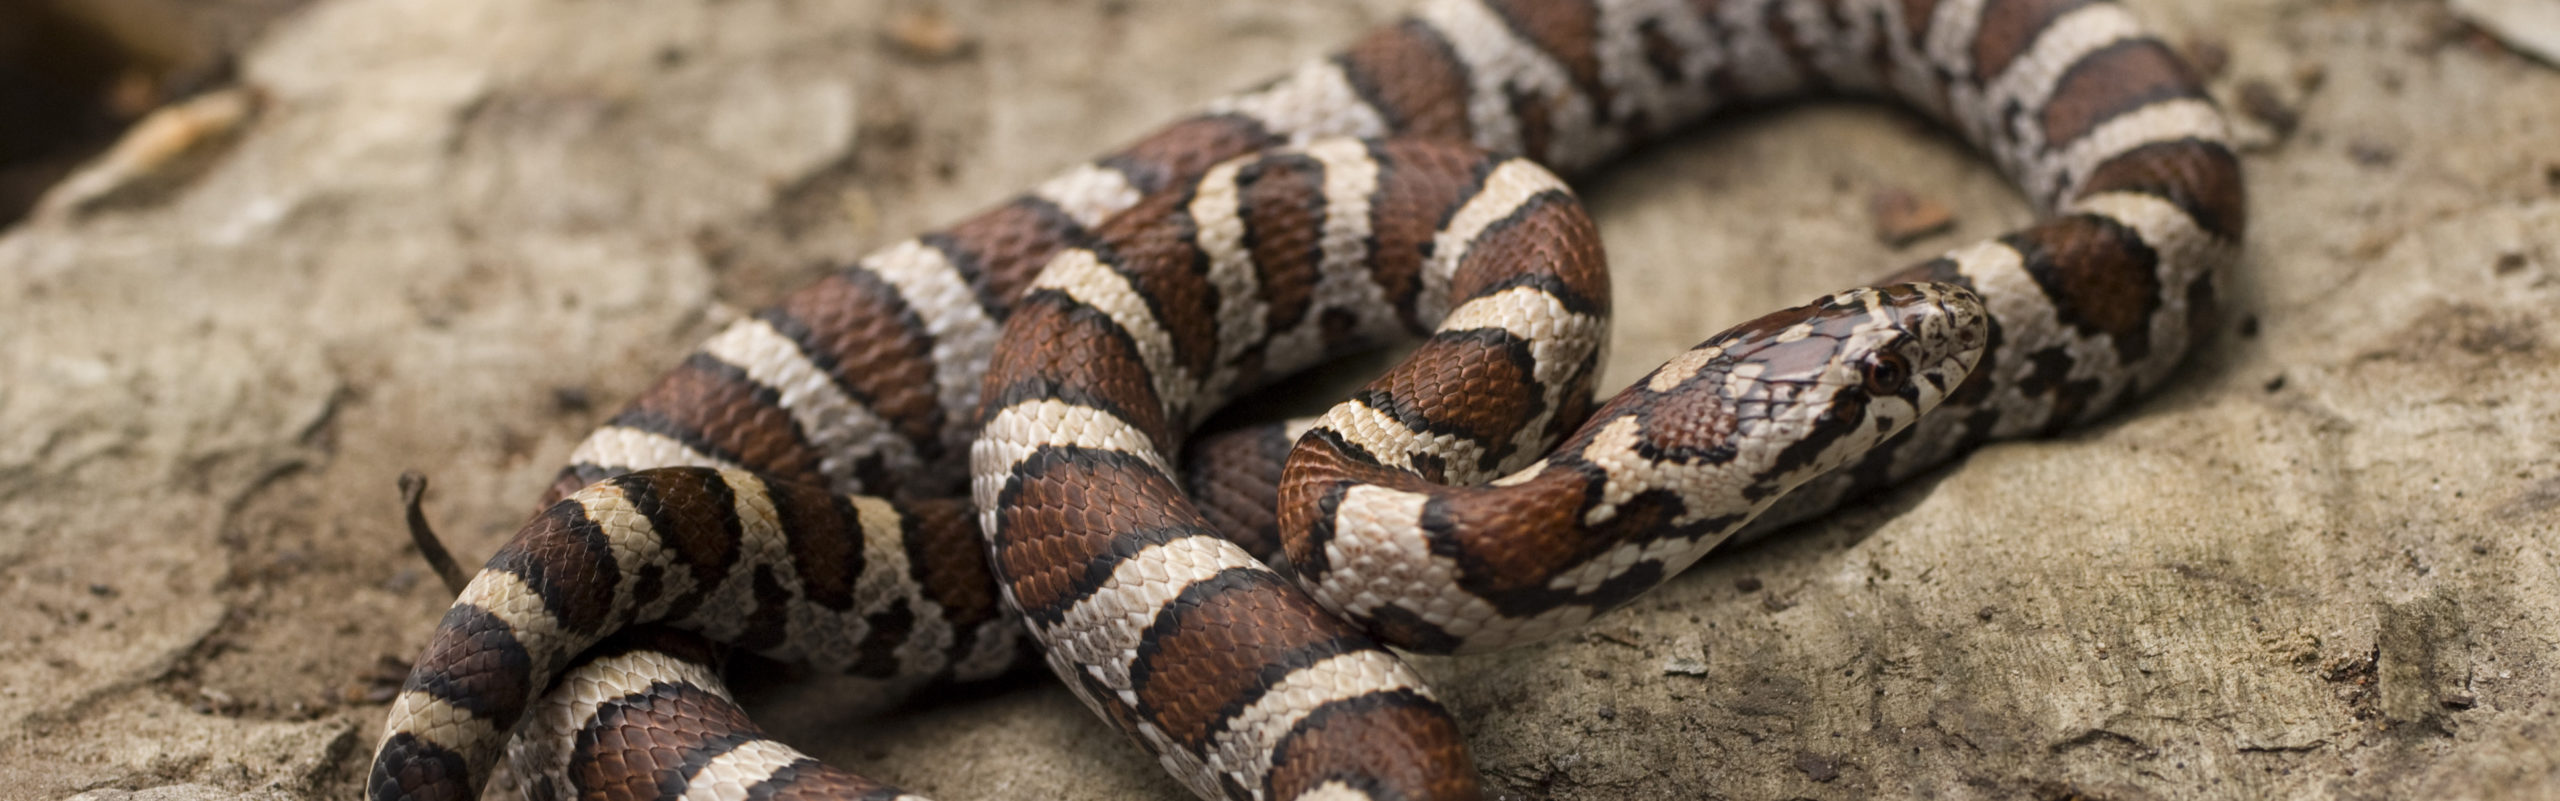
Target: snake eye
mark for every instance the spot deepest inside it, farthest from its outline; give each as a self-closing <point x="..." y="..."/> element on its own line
<point x="1886" y="374"/>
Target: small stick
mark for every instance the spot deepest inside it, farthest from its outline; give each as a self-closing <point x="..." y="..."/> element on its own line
<point x="413" y="490"/>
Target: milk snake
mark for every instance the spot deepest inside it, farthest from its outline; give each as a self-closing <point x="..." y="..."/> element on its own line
<point x="1419" y="512"/>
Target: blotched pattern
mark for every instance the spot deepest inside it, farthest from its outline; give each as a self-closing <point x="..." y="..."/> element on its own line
<point x="869" y="381"/>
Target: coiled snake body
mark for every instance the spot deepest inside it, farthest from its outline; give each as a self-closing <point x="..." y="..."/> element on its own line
<point x="1139" y="291"/>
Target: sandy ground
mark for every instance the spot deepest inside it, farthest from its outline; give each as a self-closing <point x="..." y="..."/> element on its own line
<point x="2322" y="564"/>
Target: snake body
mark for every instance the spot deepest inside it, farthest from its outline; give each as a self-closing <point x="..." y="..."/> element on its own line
<point x="726" y="500"/>
<point x="1242" y="684"/>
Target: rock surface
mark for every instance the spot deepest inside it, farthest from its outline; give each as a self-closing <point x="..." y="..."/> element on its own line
<point x="2323" y="563"/>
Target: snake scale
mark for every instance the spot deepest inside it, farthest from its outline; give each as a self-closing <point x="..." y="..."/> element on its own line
<point x="900" y="469"/>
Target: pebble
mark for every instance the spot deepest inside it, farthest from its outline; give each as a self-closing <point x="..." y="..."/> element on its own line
<point x="1902" y="217"/>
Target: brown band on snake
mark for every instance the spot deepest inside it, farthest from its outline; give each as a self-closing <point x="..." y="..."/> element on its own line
<point x="1186" y="149"/>
<point x="1407" y="72"/>
<point x="2115" y="80"/>
<point x="857" y="331"/>
<point x="2008" y="27"/>
<point x="1279" y="223"/>
<point x="998" y="251"/>
<point x="2201" y="178"/>
<point x="1235" y="478"/>
<point x="654" y="721"/>
<point x="1347" y="729"/>
<point x="1088" y="528"/>
<point x="2072" y="99"/>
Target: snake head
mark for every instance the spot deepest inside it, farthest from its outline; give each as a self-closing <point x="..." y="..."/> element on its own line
<point x="1770" y="404"/>
<point x="1829" y="381"/>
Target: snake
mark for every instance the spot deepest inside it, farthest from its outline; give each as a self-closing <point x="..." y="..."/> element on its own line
<point x="903" y="469"/>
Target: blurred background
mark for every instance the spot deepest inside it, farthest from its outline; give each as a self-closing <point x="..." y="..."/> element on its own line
<point x="75" y="73"/>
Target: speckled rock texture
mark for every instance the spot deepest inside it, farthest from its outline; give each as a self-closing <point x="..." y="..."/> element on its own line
<point x="2323" y="563"/>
